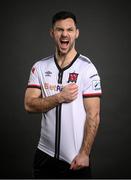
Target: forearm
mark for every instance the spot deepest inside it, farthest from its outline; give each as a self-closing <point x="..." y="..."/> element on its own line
<point x="90" y="130"/>
<point x="35" y="103"/>
<point x="43" y="104"/>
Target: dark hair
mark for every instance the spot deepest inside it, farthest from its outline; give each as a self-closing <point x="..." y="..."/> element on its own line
<point x="63" y="15"/>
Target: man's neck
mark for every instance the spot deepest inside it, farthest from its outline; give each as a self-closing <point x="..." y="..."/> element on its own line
<point x="65" y="59"/>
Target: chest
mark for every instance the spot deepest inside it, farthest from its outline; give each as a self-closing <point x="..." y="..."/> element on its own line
<point x="53" y="79"/>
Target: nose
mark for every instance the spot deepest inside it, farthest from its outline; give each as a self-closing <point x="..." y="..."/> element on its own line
<point x="64" y="33"/>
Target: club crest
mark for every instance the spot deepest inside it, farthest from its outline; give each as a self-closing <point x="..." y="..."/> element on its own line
<point x="73" y="77"/>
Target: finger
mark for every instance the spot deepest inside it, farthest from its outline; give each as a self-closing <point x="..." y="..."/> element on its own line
<point x="75" y="166"/>
<point x="72" y="165"/>
<point x="73" y="85"/>
<point x="78" y="167"/>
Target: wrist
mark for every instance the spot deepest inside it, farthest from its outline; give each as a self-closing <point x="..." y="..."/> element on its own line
<point x="60" y="98"/>
<point x="84" y="152"/>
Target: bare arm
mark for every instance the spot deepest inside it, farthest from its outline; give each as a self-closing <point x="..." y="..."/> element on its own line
<point x="92" y="107"/>
<point x="35" y="103"/>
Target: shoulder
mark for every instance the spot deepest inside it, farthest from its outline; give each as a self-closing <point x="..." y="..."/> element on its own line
<point x="43" y="61"/>
<point x="84" y="59"/>
<point x="87" y="64"/>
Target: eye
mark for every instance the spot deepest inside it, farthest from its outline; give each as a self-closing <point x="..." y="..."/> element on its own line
<point x="70" y="30"/>
<point x="59" y="29"/>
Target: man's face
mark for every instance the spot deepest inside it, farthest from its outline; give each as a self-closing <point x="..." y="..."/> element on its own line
<point x="64" y="34"/>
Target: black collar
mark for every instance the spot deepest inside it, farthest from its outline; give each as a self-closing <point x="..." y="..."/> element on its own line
<point x="68" y="66"/>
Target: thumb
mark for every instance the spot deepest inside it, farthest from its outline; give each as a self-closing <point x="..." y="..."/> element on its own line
<point x="72" y="164"/>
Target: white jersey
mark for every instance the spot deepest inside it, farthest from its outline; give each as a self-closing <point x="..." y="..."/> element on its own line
<point x="62" y="127"/>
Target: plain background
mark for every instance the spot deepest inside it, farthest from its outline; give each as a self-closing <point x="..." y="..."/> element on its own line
<point x="104" y="38"/>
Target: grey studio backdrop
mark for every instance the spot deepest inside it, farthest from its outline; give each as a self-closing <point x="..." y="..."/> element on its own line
<point x="104" y="38"/>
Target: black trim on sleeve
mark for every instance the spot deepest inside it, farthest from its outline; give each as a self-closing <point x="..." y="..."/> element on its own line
<point x="92" y="95"/>
<point x="33" y="86"/>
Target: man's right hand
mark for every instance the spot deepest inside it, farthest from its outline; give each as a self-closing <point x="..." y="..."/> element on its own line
<point x="68" y="93"/>
<point x="35" y="103"/>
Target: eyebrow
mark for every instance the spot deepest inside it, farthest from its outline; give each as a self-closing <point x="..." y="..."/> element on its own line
<point x="69" y="28"/>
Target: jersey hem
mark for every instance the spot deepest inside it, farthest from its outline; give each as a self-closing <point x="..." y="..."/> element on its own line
<point x="52" y="154"/>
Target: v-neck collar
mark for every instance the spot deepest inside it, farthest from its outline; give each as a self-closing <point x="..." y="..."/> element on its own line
<point x="68" y="66"/>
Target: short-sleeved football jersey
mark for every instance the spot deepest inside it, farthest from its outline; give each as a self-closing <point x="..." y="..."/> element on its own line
<point x="62" y="127"/>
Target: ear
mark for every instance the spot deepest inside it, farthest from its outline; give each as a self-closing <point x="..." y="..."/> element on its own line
<point x="51" y="32"/>
<point x="77" y="33"/>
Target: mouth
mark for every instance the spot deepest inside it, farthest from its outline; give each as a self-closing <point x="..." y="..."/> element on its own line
<point x="64" y="43"/>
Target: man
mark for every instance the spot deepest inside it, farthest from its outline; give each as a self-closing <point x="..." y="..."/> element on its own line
<point x="65" y="88"/>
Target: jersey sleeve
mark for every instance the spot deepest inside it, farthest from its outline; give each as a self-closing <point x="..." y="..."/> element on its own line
<point x="92" y="83"/>
<point x="33" y="81"/>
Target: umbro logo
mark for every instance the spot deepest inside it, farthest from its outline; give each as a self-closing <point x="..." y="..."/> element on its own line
<point x="48" y="73"/>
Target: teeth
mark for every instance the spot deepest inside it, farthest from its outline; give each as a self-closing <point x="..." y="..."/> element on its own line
<point x="64" y="40"/>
